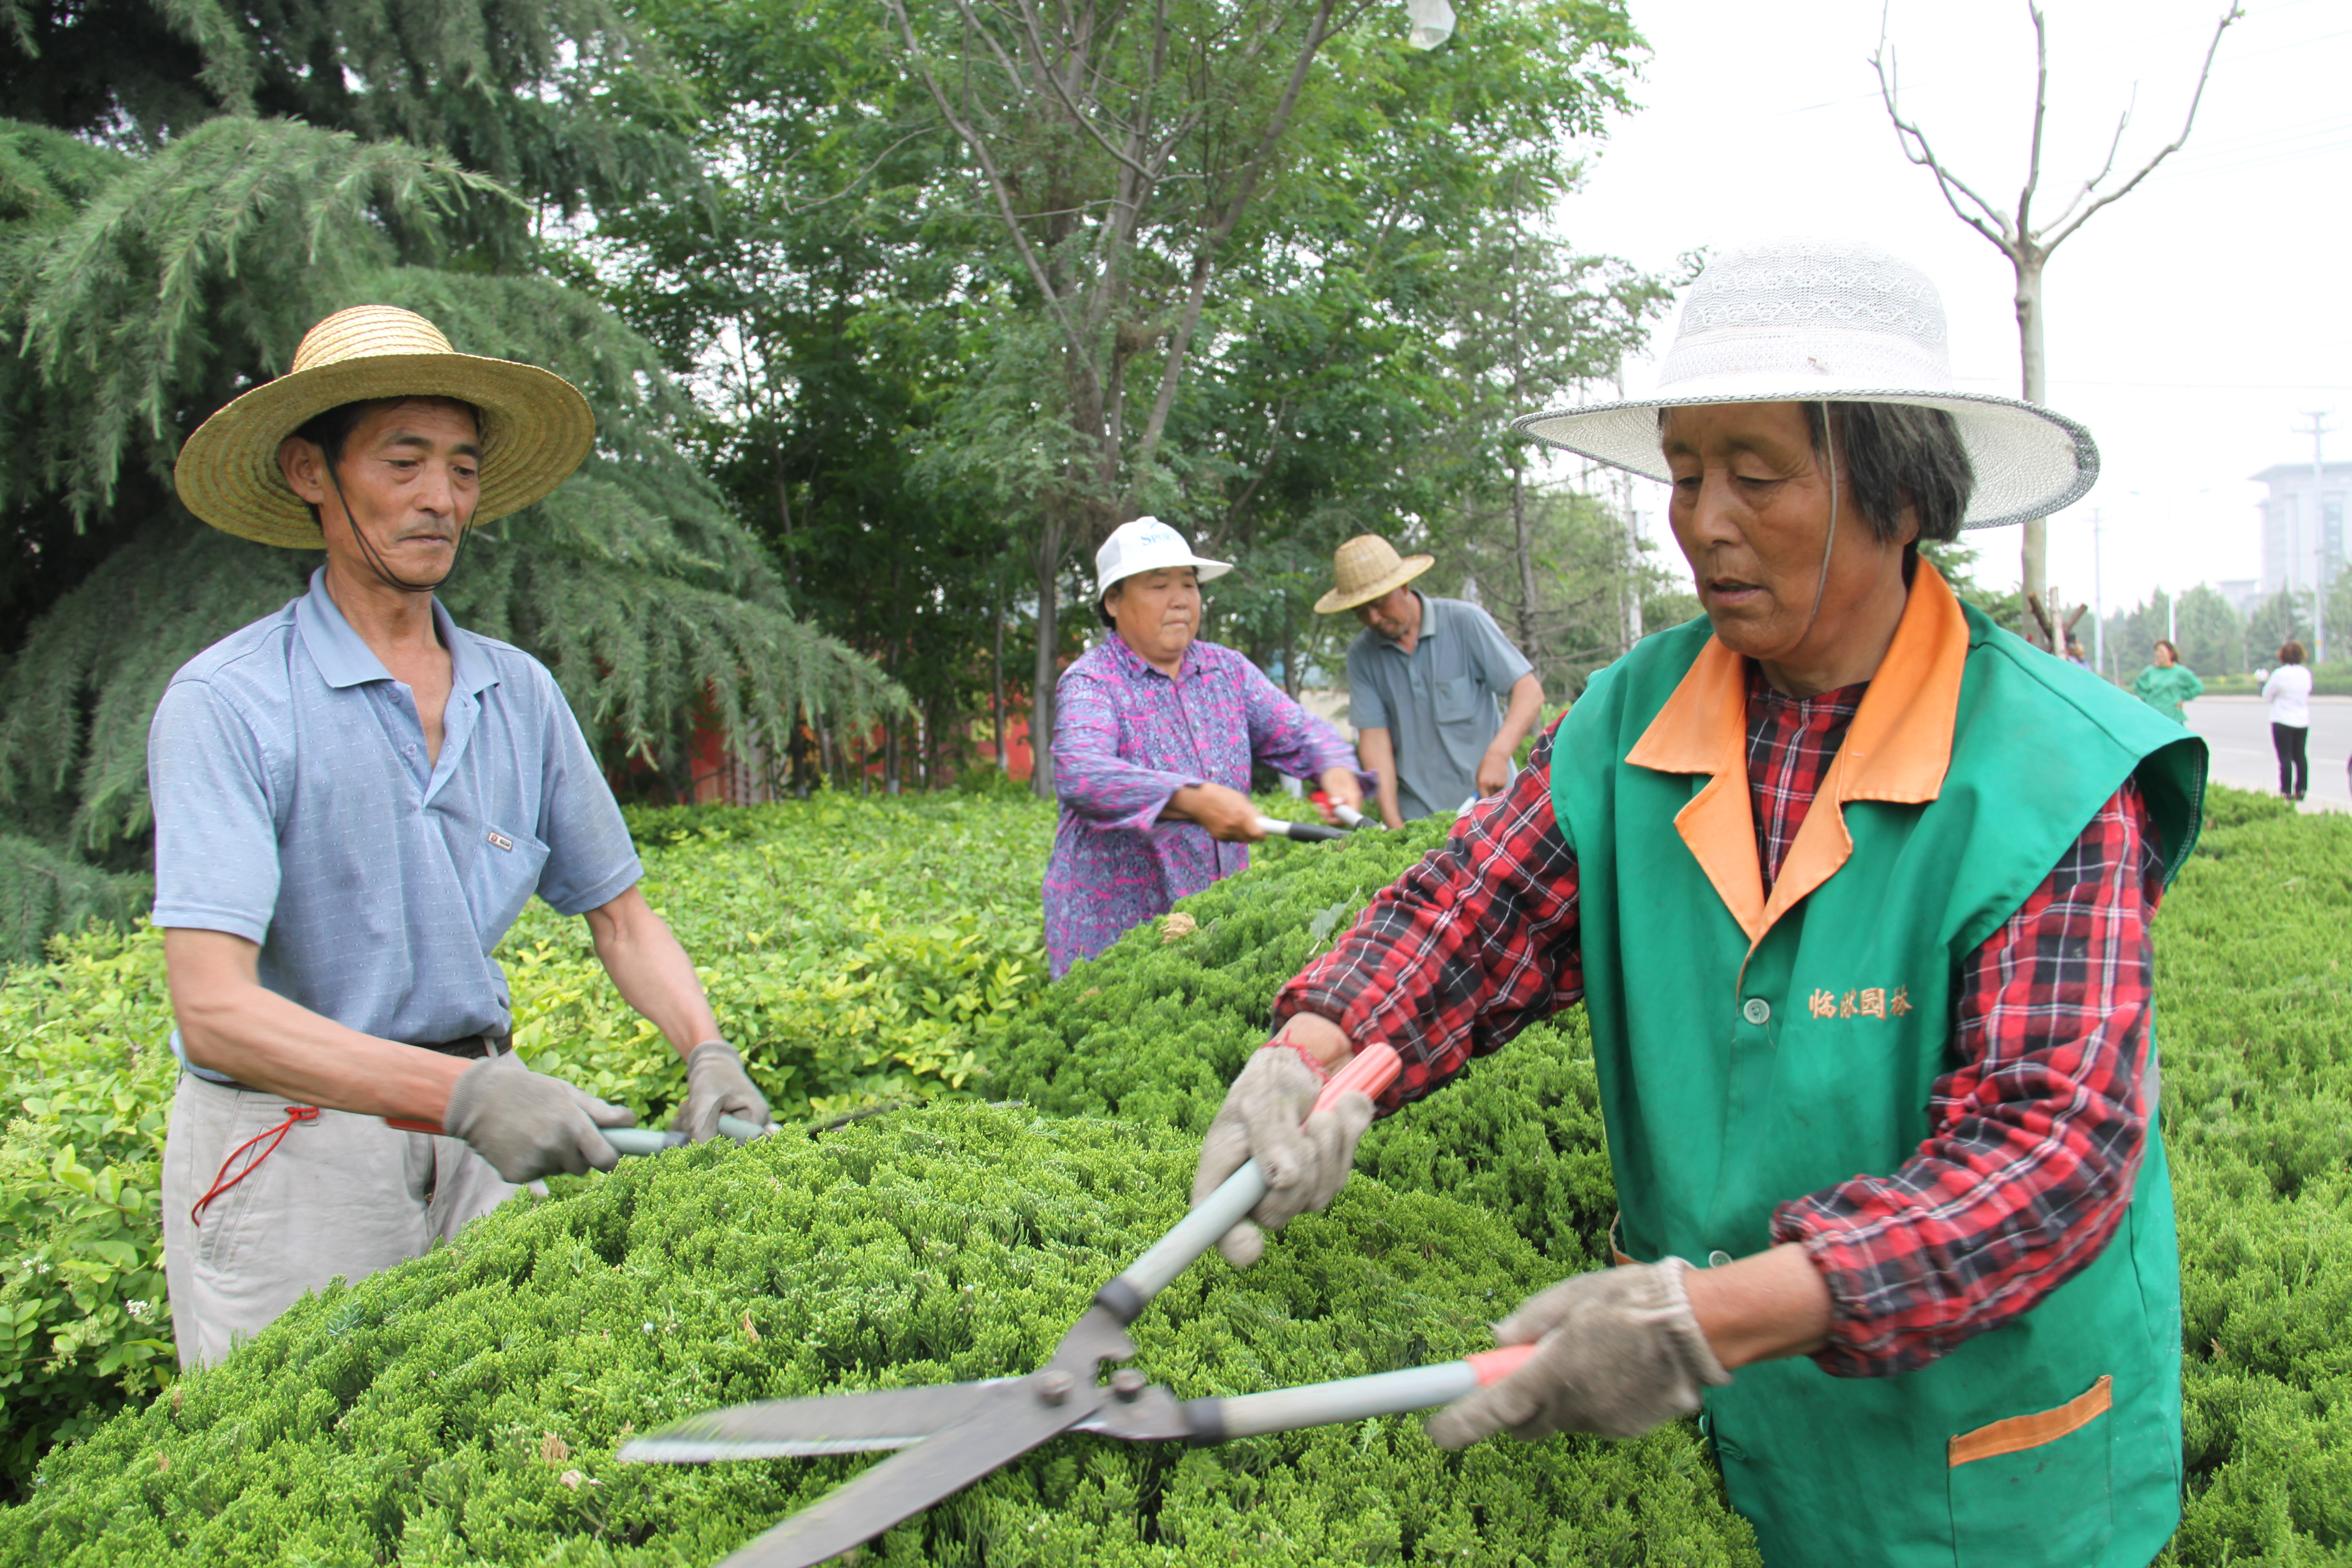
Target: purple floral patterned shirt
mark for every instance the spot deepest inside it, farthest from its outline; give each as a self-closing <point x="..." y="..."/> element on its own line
<point x="1125" y="738"/>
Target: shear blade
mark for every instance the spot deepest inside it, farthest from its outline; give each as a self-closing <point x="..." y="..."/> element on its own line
<point x="911" y="1480"/>
<point x="820" y="1424"/>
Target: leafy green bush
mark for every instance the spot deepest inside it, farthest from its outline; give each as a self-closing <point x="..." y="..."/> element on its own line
<point x="465" y="1407"/>
<point x="2254" y="992"/>
<point x="852" y="950"/>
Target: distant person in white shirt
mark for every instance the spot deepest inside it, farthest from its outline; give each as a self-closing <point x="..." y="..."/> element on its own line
<point x="2288" y="691"/>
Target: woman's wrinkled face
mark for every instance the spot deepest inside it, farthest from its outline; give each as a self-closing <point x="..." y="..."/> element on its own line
<point x="1751" y="512"/>
<point x="1158" y="613"/>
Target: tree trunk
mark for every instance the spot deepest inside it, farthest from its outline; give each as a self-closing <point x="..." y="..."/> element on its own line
<point x="996" y="673"/>
<point x="2035" y="561"/>
<point x="1525" y="534"/>
<point x="1048" y="562"/>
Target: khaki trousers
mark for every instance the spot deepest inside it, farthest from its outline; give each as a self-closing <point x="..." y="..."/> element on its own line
<point x="341" y="1195"/>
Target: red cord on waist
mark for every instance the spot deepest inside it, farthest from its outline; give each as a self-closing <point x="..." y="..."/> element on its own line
<point x="223" y="1181"/>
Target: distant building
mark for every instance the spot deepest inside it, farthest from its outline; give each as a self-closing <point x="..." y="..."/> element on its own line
<point x="2301" y="531"/>
<point x="2244" y="593"/>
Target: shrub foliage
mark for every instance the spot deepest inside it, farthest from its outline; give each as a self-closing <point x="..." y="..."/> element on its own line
<point x="938" y="1242"/>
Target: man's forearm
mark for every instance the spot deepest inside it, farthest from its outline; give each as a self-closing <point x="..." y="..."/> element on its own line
<point x="1519" y="718"/>
<point x="652" y="972"/>
<point x="1379" y="756"/>
<point x="231" y="1024"/>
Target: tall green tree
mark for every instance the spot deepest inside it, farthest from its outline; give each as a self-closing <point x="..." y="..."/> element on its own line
<point x="161" y="250"/>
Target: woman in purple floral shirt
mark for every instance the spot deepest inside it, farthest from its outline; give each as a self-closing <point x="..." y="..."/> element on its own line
<point x="1154" y="733"/>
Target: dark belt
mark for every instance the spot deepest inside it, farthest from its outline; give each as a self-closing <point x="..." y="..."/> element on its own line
<point x="472" y="1048"/>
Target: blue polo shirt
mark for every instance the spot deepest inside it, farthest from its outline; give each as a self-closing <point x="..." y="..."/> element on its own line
<point x="294" y="807"/>
<point x="1441" y="704"/>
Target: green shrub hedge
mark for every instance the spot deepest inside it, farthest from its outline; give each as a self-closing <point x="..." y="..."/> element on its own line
<point x="855" y="949"/>
<point x="463" y="1408"/>
<point x="1124" y="1061"/>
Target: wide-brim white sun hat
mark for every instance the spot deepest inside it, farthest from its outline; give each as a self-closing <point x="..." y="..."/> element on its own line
<point x="535" y="425"/>
<point x="1147" y="544"/>
<point x="1808" y="321"/>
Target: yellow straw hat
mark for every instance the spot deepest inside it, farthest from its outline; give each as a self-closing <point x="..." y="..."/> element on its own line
<point x="535" y="425"/>
<point x="1366" y="567"/>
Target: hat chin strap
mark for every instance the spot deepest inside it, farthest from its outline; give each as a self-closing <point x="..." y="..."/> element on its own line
<point x="390" y="580"/>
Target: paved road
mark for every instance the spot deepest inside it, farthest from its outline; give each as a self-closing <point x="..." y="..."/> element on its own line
<point x="2238" y="729"/>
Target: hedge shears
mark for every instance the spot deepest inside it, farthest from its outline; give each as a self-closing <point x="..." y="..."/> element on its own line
<point x="1350" y="817"/>
<point x="624" y="1140"/>
<point x="955" y="1435"/>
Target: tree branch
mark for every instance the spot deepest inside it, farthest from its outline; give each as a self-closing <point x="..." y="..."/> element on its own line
<point x="973" y="138"/>
<point x="1907" y="133"/>
<point x="2188" y="123"/>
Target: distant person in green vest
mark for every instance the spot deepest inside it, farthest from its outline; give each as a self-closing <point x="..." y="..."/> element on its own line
<point x="1439" y="697"/>
<point x="2167" y="683"/>
<point x="1855" y="888"/>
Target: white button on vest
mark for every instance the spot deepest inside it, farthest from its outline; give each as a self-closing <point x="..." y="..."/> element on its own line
<point x="1717" y="1259"/>
<point x="1757" y="1011"/>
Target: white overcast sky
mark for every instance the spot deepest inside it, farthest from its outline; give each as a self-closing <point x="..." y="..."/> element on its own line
<point x="2189" y="325"/>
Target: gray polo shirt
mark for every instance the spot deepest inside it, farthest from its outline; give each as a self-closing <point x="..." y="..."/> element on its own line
<point x="1441" y="704"/>
<point x="294" y="807"/>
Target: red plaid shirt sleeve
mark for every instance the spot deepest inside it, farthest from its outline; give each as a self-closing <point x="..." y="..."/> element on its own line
<point x="1462" y="952"/>
<point x="2036" y="1136"/>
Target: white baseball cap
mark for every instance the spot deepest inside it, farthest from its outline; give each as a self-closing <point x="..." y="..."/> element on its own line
<point x="1147" y="544"/>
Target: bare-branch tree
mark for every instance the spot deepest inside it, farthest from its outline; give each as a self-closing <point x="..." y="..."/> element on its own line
<point x="2027" y="244"/>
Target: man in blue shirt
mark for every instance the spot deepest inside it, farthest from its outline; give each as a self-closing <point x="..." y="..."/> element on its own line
<point x="1427" y="678"/>
<point x="354" y="799"/>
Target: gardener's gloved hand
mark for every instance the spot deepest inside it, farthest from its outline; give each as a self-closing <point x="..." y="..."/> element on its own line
<point x="1305" y="1166"/>
<point x="716" y="1086"/>
<point x="1618" y="1353"/>
<point x="529" y="1125"/>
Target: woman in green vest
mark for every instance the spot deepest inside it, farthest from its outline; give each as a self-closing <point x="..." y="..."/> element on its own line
<point x="1855" y="888"/>
<point x="2167" y="683"/>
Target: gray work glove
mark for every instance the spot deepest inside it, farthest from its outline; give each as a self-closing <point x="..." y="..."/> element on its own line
<point x="529" y="1125"/>
<point x="716" y="1086"/>
<point x="1305" y="1166"/>
<point x="1618" y="1353"/>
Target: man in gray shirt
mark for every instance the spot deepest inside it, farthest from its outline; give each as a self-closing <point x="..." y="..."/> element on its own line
<point x="1424" y="677"/>
<point x="354" y="798"/>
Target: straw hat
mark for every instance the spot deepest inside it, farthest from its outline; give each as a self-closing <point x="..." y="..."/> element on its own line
<point x="535" y="425"/>
<point x="1366" y="567"/>
<point x="1812" y="321"/>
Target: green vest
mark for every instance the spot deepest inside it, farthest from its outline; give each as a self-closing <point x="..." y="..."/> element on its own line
<point x="1732" y="1081"/>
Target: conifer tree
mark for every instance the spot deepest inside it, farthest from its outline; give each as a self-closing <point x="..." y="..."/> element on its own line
<point x="138" y="291"/>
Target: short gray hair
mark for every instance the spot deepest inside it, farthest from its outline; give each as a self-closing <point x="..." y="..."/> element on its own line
<point x="1899" y="455"/>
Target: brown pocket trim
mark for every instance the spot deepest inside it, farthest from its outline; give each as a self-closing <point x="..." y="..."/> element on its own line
<point x="1616" y="1253"/>
<point x="2022" y="1432"/>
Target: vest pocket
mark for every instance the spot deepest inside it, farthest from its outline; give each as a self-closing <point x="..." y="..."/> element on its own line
<point x="2034" y="1488"/>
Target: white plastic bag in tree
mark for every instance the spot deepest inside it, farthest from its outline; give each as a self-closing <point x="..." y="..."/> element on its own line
<point x="1433" y="23"/>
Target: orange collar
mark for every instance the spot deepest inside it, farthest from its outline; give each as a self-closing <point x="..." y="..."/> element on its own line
<point x="1897" y="749"/>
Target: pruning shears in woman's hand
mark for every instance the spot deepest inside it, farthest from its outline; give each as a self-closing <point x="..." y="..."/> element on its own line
<point x="1347" y="815"/>
<point x="954" y="1435"/>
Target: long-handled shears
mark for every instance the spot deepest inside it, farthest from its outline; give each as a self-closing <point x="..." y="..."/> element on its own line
<point x="625" y="1140"/>
<point x="954" y="1435"/>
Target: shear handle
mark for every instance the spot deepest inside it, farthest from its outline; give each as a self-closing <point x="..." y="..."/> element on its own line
<point x="625" y="1140"/>
<point x="1351" y="1399"/>
<point x="1372" y="1071"/>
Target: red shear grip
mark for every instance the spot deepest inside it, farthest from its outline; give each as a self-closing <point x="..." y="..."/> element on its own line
<point x="1370" y="1071"/>
<point x="408" y="1124"/>
<point x="1493" y="1366"/>
<point x="223" y="1181"/>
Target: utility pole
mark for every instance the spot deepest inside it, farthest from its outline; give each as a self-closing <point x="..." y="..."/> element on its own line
<point x="2319" y="515"/>
<point x="2099" y="599"/>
